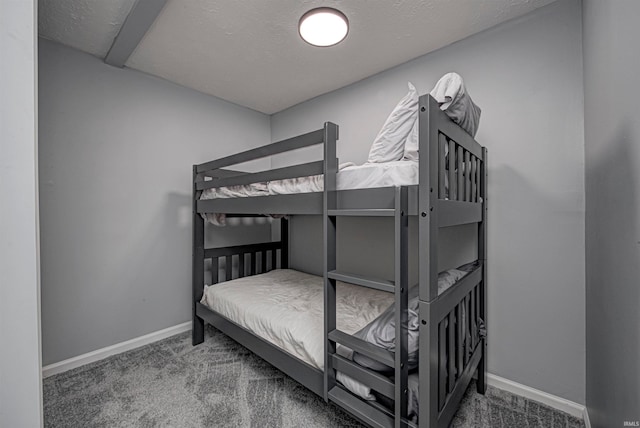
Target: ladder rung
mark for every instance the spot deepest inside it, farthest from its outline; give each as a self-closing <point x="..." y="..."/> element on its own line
<point x="363" y="347"/>
<point x="372" y="379"/>
<point x="363" y="212"/>
<point x="360" y="408"/>
<point x="378" y="284"/>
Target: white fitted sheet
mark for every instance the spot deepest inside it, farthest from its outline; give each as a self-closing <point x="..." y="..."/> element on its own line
<point x="286" y="308"/>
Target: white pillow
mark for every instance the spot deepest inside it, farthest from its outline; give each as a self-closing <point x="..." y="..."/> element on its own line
<point x="411" y="146"/>
<point x="389" y="144"/>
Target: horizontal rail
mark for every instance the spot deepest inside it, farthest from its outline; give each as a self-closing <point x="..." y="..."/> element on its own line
<point x="454" y="213"/>
<point x="363" y="347"/>
<point x="298" y="142"/>
<point x="295" y="171"/>
<point x="365" y="212"/>
<point x="454" y="294"/>
<point x="377" y="284"/>
<point x="223" y="173"/>
<point x="299" y="203"/>
<point x="239" y="249"/>
<point x="372" y="379"/>
<point x="360" y="409"/>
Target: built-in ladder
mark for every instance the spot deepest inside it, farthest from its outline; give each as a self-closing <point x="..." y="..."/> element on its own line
<point x="396" y="390"/>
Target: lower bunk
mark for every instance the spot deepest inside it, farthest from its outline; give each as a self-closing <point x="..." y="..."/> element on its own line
<point x="278" y="314"/>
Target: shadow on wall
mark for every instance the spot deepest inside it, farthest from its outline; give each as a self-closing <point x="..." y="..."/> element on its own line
<point x="536" y="281"/>
<point x="613" y="272"/>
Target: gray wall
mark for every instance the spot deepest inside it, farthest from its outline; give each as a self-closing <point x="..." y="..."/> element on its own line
<point x="20" y="379"/>
<point x="612" y="136"/>
<point x="116" y="149"/>
<point x="527" y="77"/>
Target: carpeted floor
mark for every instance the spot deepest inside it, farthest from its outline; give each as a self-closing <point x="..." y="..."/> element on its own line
<point x="220" y="384"/>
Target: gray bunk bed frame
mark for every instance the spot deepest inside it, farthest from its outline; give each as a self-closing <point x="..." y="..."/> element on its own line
<point x="452" y="337"/>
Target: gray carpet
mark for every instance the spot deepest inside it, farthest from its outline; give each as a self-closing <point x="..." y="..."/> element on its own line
<point x="221" y="384"/>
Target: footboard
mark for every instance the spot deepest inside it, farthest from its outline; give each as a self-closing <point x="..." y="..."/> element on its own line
<point x="453" y="326"/>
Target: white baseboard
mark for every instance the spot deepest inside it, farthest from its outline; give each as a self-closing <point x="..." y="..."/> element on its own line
<point x="558" y="403"/>
<point x="118" y="348"/>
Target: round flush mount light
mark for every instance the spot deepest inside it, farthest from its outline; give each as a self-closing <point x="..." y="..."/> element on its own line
<point x="323" y="26"/>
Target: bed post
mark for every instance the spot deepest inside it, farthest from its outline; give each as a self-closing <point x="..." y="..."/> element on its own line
<point x="428" y="197"/>
<point x="428" y="255"/>
<point x="482" y="255"/>
<point x="197" y="332"/>
<point x="329" y="230"/>
<point x="401" y="250"/>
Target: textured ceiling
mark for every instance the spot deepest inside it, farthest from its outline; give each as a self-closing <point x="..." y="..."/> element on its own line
<point x="249" y="52"/>
<point x="87" y="25"/>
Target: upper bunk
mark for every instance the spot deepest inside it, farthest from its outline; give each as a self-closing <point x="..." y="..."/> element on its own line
<point x="450" y="187"/>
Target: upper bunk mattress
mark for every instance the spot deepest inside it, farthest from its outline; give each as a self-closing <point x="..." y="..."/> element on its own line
<point x="350" y="176"/>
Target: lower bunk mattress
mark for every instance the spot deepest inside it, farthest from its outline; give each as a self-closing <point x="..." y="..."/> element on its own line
<point x="286" y="308"/>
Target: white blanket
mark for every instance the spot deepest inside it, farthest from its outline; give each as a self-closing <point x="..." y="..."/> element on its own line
<point x="350" y="176"/>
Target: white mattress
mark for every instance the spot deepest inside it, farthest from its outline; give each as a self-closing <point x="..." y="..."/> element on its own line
<point x="285" y="307"/>
<point x="350" y="176"/>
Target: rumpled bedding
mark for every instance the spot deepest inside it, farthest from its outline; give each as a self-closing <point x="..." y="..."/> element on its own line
<point x="350" y="176"/>
<point x="286" y="308"/>
<point x="454" y="100"/>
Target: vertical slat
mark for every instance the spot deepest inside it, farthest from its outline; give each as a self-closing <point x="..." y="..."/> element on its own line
<point x="472" y="315"/>
<point x="253" y="262"/>
<point x="467" y="177"/>
<point x="442" y="144"/>
<point x="479" y="180"/>
<point x="214" y="270"/>
<point x="467" y="340"/>
<point x="452" y="171"/>
<point x="284" y="240"/>
<point x="459" y="339"/>
<point x="474" y="188"/>
<point x="241" y="272"/>
<point x="451" y="357"/>
<point x="442" y="363"/>
<point x="401" y="268"/>
<point x="263" y="267"/>
<point x="228" y="268"/>
<point x="459" y="172"/>
<point x="476" y="290"/>
<point x="274" y="256"/>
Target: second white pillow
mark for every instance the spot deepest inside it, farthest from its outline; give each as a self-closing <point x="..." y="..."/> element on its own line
<point x="388" y="145"/>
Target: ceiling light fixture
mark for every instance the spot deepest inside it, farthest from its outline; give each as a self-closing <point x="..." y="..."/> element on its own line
<point x="323" y="26"/>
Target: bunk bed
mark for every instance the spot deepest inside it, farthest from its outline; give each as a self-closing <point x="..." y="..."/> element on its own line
<point x="450" y="324"/>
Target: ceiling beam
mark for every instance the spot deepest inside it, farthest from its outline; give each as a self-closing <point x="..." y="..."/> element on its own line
<point x="143" y="14"/>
